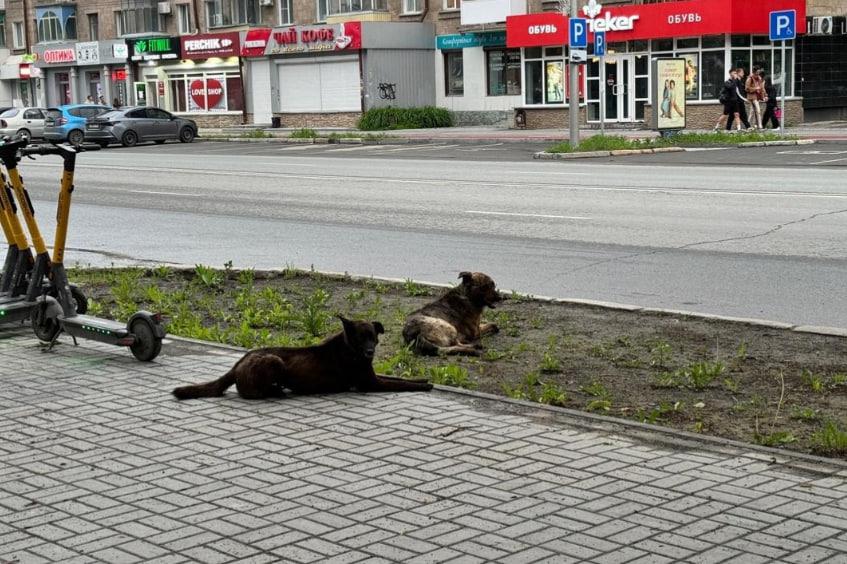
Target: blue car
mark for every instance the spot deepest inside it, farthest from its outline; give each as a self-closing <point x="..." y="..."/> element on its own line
<point x="67" y="123"/>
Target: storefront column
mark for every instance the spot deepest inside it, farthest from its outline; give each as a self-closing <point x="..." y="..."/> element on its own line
<point x="73" y="86"/>
<point x="106" y="81"/>
<point x="130" y="92"/>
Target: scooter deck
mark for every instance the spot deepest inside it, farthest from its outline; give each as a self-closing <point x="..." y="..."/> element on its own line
<point x="94" y="328"/>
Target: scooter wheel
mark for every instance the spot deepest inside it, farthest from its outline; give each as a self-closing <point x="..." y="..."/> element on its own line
<point x="147" y="345"/>
<point x="80" y="299"/>
<point x="45" y="328"/>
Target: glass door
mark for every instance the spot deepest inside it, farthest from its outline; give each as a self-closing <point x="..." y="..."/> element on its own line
<point x="621" y="82"/>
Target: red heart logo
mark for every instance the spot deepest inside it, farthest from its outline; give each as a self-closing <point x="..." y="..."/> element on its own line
<point x="206" y="94"/>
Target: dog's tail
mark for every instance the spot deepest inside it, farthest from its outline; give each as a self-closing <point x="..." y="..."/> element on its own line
<point x="211" y="389"/>
<point x="423" y="347"/>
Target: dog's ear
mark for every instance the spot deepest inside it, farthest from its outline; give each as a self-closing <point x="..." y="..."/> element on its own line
<point x="466" y="277"/>
<point x="344" y="321"/>
<point x="378" y="327"/>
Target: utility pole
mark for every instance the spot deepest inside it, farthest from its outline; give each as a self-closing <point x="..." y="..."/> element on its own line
<point x="573" y="87"/>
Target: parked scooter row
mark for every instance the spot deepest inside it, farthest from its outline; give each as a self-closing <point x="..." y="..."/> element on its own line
<point x="36" y="287"/>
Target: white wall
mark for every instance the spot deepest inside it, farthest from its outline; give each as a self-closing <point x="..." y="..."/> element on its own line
<point x="474" y="99"/>
<point x="258" y="88"/>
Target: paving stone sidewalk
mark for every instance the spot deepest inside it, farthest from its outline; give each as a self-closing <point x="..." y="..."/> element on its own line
<point x="98" y="463"/>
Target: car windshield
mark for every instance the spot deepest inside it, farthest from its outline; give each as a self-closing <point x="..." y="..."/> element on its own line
<point x="10" y="113"/>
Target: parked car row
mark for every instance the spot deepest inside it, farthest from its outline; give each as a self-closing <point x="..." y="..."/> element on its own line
<point x="104" y="125"/>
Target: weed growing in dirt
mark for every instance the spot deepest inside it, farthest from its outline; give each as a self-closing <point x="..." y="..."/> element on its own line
<point x="533" y="389"/>
<point x="414" y="289"/>
<point x="830" y="440"/>
<point x="404" y="364"/>
<point x="315" y="315"/>
<point x="807" y="414"/>
<point x="659" y="413"/>
<point x="303" y="133"/>
<point x="775" y="439"/>
<point x="549" y="362"/>
<point x="161" y="271"/>
<point x="208" y="276"/>
<point x="450" y="375"/>
<point x="697" y="376"/>
<point x="661" y="354"/>
<point x="815" y="382"/>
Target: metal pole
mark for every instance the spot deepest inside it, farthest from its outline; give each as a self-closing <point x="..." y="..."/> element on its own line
<point x="601" y="75"/>
<point x="784" y="88"/>
<point x="573" y="89"/>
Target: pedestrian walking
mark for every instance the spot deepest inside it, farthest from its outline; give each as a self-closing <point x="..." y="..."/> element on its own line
<point x="89" y="99"/>
<point x="771" y="100"/>
<point x="740" y="105"/>
<point x="755" y="89"/>
<point x="730" y="108"/>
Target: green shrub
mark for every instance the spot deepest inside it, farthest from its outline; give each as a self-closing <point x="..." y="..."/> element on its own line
<point x="377" y="119"/>
<point x="303" y="133"/>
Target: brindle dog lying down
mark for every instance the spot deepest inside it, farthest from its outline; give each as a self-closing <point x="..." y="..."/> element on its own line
<point x="451" y="324"/>
<point x="342" y="362"/>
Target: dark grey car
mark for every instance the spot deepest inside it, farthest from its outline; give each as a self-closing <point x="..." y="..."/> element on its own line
<point x="132" y="125"/>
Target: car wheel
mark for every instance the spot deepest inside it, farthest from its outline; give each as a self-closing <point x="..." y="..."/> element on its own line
<point x="129" y="139"/>
<point x="159" y="141"/>
<point x="24" y="134"/>
<point x="76" y="137"/>
<point x="186" y="135"/>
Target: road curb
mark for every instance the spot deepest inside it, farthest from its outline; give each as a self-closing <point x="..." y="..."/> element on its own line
<point x="786" y="143"/>
<point x="543" y="155"/>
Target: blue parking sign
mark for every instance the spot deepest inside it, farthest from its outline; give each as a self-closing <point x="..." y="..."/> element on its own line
<point x="783" y="25"/>
<point x="578" y="33"/>
<point x="599" y="43"/>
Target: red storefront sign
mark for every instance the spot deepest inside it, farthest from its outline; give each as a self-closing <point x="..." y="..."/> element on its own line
<point x="653" y="21"/>
<point x="255" y="41"/>
<point x="315" y="38"/>
<point x="25" y="71"/>
<point x="118" y="75"/>
<point x="54" y="56"/>
<point x="211" y="45"/>
<point x="206" y="93"/>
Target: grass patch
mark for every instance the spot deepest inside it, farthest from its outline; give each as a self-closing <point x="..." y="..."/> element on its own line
<point x="303" y="133"/>
<point x="830" y="440"/>
<point x="619" y="142"/>
<point x="257" y="134"/>
<point x="380" y="119"/>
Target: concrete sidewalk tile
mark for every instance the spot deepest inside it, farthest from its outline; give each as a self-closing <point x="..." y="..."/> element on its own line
<point x="810" y="554"/>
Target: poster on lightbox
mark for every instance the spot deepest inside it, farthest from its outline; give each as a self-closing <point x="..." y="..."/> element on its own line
<point x="670" y="91"/>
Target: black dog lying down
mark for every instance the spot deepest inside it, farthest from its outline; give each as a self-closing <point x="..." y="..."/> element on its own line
<point x="342" y="362"/>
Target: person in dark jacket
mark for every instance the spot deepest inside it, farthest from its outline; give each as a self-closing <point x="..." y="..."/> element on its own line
<point x="741" y="97"/>
<point x="771" y="100"/>
<point x="728" y="98"/>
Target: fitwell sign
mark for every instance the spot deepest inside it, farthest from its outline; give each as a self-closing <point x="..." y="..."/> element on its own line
<point x="211" y="45"/>
<point x="651" y="21"/>
<point x="315" y="38"/>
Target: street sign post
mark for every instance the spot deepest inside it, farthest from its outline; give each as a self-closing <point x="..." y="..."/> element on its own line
<point x="578" y="47"/>
<point x="600" y="51"/>
<point x="783" y="27"/>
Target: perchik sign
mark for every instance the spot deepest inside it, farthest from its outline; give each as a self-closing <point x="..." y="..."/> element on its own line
<point x="210" y="45"/>
<point x="306" y="39"/>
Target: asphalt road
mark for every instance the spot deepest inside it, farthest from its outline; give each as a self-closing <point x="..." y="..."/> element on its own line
<point x="697" y="237"/>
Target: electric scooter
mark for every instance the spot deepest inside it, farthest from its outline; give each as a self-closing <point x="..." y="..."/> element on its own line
<point x="24" y="277"/>
<point x="143" y="333"/>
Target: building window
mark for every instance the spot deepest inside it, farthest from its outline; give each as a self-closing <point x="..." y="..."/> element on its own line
<point x="712" y="74"/>
<point x="337" y="7"/>
<point x="286" y="12"/>
<point x="2" y="33"/>
<point x="412" y="6"/>
<point x="224" y="13"/>
<point x="450" y="5"/>
<point x="322" y="9"/>
<point x="93" y="27"/>
<point x="748" y="52"/>
<point x="55" y="23"/>
<point x="454" y="73"/>
<point x="183" y="18"/>
<point x="144" y="19"/>
<point x="206" y="92"/>
<point x="18" y="35"/>
<point x="544" y="75"/>
<point x="503" y="68"/>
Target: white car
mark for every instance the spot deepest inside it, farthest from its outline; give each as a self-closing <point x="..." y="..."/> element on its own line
<point x="26" y="122"/>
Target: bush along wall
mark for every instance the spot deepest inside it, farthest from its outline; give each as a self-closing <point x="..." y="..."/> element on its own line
<point x="377" y="119"/>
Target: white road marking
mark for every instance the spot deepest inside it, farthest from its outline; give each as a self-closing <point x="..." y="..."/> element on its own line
<point x="354" y="148"/>
<point x="698" y="149"/>
<point x="829" y="161"/>
<point x="527" y="215"/>
<point x="550" y="173"/>
<point x="419" y="148"/>
<point x="296" y="147"/>
<point x="165" y="193"/>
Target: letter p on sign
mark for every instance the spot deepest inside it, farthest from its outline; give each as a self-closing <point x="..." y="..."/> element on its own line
<point x="578" y="33"/>
<point x="783" y="25"/>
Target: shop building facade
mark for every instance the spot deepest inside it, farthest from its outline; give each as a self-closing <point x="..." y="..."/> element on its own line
<point x="822" y="61"/>
<point x="71" y="72"/>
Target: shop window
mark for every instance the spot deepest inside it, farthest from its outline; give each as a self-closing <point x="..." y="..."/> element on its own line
<point x="545" y="78"/>
<point x="286" y="12"/>
<point x="740" y="41"/>
<point x="93" y="27"/>
<point x="504" y="72"/>
<point x="688" y="43"/>
<point x="323" y="9"/>
<point x="205" y="92"/>
<point x="183" y="18"/>
<point x="617" y="47"/>
<point x="713" y="74"/>
<point x="454" y="73"/>
<point x="761" y="40"/>
<point x="639" y="46"/>
<point x="534" y="76"/>
<point x="741" y="58"/>
<point x="692" y="75"/>
<point x="450" y="5"/>
<point x="412" y="6"/>
<point x="18" y="35"/>
<point x="713" y="42"/>
<point x="661" y="45"/>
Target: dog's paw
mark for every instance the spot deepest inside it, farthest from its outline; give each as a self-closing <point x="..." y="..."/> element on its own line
<point x="493" y="328"/>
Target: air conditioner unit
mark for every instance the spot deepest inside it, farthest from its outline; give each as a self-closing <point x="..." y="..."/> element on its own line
<point x="266" y="2"/>
<point x="822" y="25"/>
<point x="217" y="20"/>
<point x="164" y="7"/>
